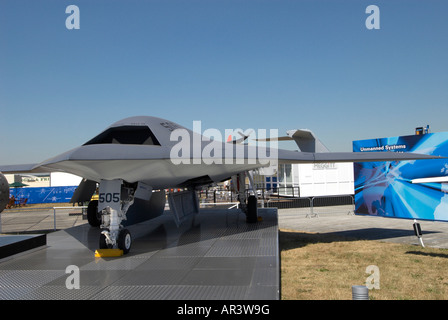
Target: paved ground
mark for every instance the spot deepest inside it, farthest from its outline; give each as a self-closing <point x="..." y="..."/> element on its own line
<point x="336" y="220"/>
<point x="29" y="220"/>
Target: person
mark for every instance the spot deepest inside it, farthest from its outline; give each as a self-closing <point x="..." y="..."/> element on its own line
<point x="11" y="203"/>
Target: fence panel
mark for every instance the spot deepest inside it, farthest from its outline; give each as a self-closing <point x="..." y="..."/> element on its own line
<point x="282" y="198"/>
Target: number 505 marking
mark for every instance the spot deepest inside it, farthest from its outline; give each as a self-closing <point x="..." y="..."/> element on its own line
<point x="109" y="197"/>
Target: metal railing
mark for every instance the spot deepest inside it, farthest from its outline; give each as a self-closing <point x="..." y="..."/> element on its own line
<point x="83" y="213"/>
<point x="41" y="219"/>
<point x="331" y="204"/>
<point x="28" y="219"/>
<point x="320" y="204"/>
<point x="216" y="204"/>
<point x="282" y="198"/>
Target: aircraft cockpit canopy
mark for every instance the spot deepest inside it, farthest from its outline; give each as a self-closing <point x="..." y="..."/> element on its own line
<point x="137" y="135"/>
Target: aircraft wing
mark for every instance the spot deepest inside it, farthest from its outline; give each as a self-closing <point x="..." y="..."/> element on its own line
<point x="370" y="156"/>
<point x="308" y="157"/>
<point x="259" y="158"/>
<point x="25" y="168"/>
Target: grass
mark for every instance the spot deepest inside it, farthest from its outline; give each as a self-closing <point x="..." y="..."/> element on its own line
<point x="322" y="267"/>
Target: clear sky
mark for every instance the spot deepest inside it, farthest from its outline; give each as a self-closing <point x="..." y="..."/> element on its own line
<point x="270" y="64"/>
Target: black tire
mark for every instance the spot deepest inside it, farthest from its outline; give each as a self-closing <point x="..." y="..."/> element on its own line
<point x="103" y="244"/>
<point x="93" y="216"/>
<point x="124" y="241"/>
<point x="252" y="214"/>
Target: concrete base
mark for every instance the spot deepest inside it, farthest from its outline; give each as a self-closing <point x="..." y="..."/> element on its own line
<point x="14" y="244"/>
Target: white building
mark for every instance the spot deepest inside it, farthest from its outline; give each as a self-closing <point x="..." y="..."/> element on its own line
<point x="54" y="179"/>
<point x="312" y="180"/>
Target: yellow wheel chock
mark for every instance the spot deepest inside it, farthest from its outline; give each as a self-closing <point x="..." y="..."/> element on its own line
<point x="106" y="253"/>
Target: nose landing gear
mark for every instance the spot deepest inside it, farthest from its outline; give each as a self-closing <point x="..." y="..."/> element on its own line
<point x="108" y="213"/>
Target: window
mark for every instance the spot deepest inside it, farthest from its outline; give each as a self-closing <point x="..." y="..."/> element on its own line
<point x="140" y="135"/>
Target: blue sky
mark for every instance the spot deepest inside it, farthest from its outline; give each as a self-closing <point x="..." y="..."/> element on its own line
<point x="270" y="64"/>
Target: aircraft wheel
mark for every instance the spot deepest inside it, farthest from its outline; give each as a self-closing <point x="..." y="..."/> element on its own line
<point x="93" y="216"/>
<point x="103" y="243"/>
<point x="252" y="215"/>
<point x="124" y="240"/>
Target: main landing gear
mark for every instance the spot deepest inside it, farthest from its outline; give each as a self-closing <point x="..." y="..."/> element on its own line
<point x="248" y="204"/>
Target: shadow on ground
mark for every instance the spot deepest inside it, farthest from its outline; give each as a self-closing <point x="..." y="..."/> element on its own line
<point x="290" y="239"/>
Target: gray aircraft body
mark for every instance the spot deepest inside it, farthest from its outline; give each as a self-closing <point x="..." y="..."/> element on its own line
<point x="135" y="159"/>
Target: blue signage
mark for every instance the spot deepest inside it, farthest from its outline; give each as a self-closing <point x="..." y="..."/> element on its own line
<point x="396" y="188"/>
<point x="43" y="195"/>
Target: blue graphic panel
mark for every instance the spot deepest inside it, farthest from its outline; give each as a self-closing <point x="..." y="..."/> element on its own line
<point x="387" y="188"/>
<point x="43" y="195"/>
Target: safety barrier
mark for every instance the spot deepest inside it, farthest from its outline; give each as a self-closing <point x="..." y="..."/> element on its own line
<point x="228" y="205"/>
<point x="281" y="200"/>
<point x="53" y="218"/>
<point x="83" y="213"/>
<point x="43" y="219"/>
<point x="318" y="204"/>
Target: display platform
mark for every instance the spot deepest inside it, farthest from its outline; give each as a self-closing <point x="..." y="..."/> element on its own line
<point x="214" y="256"/>
<point x="11" y="245"/>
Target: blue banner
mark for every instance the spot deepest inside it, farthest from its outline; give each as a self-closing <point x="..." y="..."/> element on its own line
<point x="43" y="194"/>
<point x="394" y="188"/>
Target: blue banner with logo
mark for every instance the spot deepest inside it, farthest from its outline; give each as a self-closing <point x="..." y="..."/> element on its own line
<point x="43" y="194"/>
<point x="403" y="189"/>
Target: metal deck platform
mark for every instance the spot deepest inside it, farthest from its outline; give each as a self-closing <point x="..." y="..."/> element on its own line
<point x="215" y="256"/>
